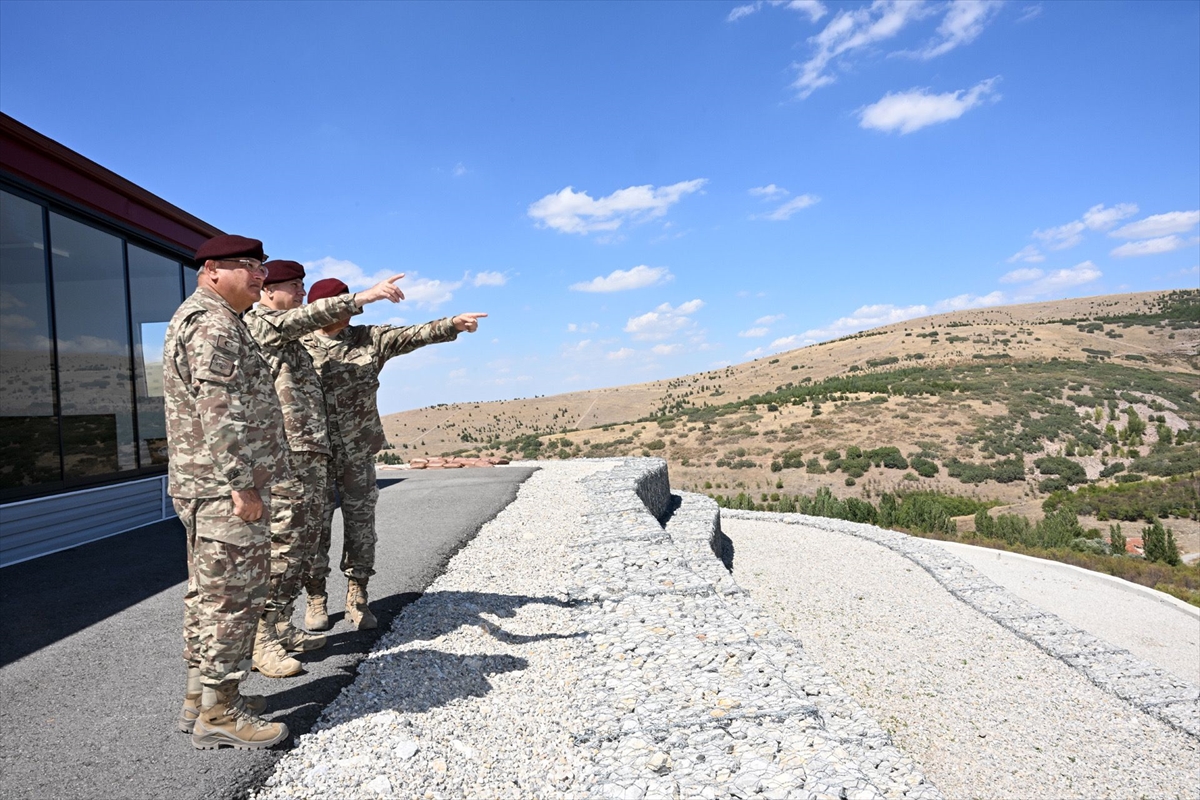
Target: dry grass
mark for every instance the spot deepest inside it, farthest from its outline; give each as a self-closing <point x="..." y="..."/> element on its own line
<point x="602" y="421"/>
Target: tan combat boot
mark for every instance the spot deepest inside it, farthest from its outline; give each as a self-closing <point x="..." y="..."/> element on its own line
<point x="292" y="638"/>
<point x="316" y="616"/>
<point x="255" y="703"/>
<point x="225" y="721"/>
<point x="270" y="659"/>
<point x="357" y="610"/>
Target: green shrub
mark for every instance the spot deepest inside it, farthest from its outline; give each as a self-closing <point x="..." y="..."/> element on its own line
<point x="923" y="466"/>
<point x="1070" y="471"/>
<point x="1116" y="540"/>
<point x="657" y="444"/>
<point x="1050" y="485"/>
<point x="1112" y="469"/>
<point x="1130" y="477"/>
<point x="1158" y="544"/>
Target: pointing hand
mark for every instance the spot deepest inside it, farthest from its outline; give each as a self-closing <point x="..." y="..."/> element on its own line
<point x="467" y="322"/>
<point x="384" y="290"/>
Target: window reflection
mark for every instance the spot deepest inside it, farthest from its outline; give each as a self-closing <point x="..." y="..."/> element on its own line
<point x="28" y="424"/>
<point x="155" y="291"/>
<point x="93" y="350"/>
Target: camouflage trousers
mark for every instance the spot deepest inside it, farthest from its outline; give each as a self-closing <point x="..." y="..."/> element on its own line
<point x="228" y="568"/>
<point x="297" y="514"/>
<point x="353" y="479"/>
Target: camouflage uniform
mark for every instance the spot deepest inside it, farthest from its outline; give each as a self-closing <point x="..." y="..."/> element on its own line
<point x="297" y="504"/>
<point x="349" y="365"/>
<point x="224" y="433"/>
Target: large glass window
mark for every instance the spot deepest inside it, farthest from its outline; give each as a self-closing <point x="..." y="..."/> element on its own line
<point x="155" y="291"/>
<point x="29" y="453"/>
<point x="96" y="388"/>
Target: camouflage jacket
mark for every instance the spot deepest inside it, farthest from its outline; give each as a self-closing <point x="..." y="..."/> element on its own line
<point x="224" y="424"/>
<point x="349" y="365"/>
<point x="296" y="381"/>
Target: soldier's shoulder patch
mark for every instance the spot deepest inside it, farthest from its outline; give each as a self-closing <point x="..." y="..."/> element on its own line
<point x="222" y="365"/>
<point x="228" y="343"/>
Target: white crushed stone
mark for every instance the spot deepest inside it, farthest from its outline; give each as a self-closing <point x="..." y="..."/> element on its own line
<point x="577" y="648"/>
<point x="985" y="713"/>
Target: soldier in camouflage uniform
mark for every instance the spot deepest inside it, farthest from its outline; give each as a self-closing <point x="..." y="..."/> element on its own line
<point x="348" y="359"/>
<point x="226" y="442"/>
<point x="297" y="504"/>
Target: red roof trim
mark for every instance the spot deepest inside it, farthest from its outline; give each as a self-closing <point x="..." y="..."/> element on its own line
<point x="44" y="162"/>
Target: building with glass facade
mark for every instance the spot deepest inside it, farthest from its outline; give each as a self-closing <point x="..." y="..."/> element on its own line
<point x="91" y="269"/>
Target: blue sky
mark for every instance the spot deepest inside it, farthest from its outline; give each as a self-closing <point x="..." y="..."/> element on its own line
<point x="636" y="191"/>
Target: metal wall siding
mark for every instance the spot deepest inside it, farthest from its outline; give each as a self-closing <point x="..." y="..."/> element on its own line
<point x="46" y="525"/>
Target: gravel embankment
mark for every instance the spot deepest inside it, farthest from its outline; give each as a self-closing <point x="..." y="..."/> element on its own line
<point x="986" y="714"/>
<point x="578" y="648"/>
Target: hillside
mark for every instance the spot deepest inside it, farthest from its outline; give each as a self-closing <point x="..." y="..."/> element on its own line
<point x="970" y="403"/>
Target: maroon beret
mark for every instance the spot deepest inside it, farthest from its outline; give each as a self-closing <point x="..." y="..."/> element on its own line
<point x="279" y="271"/>
<point x="329" y="287"/>
<point x="226" y="246"/>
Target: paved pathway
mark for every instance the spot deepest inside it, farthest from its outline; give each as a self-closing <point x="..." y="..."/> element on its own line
<point x="90" y="674"/>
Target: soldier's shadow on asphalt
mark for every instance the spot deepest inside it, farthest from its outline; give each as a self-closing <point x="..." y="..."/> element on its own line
<point x="416" y="679"/>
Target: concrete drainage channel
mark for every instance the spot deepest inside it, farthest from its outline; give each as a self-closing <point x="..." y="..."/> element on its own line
<point x="1113" y="669"/>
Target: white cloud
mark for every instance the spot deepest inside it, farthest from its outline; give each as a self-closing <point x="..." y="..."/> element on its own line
<point x="490" y="279"/>
<point x="621" y="280"/>
<point x="770" y="319"/>
<point x="755" y="353"/>
<point x="874" y="316"/>
<point x="663" y="321"/>
<point x="813" y="8"/>
<point x="785" y="211"/>
<point x="742" y="11"/>
<point x="1159" y="225"/>
<point x="666" y="349"/>
<point x="910" y="111"/>
<point x="457" y="374"/>
<point x="17" y="322"/>
<point x="963" y="301"/>
<point x="569" y="211"/>
<point x="1151" y="247"/>
<point x="459" y="170"/>
<point x="754" y="333"/>
<point x="1021" y="275"/>
<point x="620" y="355"/>
<point x="848" y="31"/>
<point x="1028" y="253"/>
<point x="586" y="327"/>
<point x="769" y="192"/>
<point x="1062" y="236"/>
<point x="1099" y="218"/>
<point x="92" y="345"/>
<point x="1030" y="12"/>
<point x="427" y="292"/>
<point x="1061" y="280"/>
<point x="347" y="272"/>
<point x="964" y="21"/>
<point x="424" y="292"/>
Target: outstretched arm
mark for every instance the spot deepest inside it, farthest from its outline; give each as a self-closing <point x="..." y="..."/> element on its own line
<point x="391" y="341"/>
<point x="278" y="329"/>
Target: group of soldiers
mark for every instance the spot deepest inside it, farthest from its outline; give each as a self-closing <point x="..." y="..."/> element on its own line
<point x="271" y="415"/>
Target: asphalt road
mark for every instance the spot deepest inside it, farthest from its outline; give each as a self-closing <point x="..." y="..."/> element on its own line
<point x="91" y="678"/>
